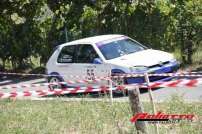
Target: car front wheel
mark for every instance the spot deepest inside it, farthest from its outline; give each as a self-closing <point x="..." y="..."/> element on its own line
<point x="55" y="80"/>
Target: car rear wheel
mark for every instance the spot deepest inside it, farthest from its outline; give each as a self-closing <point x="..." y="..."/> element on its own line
<point x="54" y="86"/>
<point x="118" y="81"/>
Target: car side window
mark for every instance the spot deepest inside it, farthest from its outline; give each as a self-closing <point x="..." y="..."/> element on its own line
<point x="67" y="54"/>
<point x="86" y="54"/>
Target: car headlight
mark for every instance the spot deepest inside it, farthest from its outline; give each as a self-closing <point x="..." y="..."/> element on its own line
<point x="137" y="69"/>
<point x="173" y="60"/>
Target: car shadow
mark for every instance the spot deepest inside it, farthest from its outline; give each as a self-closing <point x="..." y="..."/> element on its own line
<point x="6" y="80"/>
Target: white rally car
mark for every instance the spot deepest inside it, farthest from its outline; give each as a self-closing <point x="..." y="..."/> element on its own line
<point x="92" y="56"/>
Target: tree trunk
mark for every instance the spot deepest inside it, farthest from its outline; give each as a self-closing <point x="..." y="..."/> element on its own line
<point x="189" y="46"/>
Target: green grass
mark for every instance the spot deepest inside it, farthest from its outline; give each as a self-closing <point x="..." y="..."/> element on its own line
<point x="51" y="117"/>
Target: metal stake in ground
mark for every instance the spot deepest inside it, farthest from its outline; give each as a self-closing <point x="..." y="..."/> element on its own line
<point x="110" y="91"/>
<point x="136" y="107"/>
<point x="151" y="99"/>
<point x="110" y="84"/>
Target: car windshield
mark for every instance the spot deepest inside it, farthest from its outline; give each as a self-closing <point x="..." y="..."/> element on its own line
<point x="119" y="48"/>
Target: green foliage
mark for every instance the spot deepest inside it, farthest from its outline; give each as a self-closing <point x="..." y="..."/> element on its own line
<point x="57" y="116"/>
<point x="34" y="27"/>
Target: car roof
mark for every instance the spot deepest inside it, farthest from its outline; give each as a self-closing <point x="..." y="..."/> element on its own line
<point x="92" y="40"/>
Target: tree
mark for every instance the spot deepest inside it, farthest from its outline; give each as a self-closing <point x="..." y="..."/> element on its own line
<point x="187" y="29"/>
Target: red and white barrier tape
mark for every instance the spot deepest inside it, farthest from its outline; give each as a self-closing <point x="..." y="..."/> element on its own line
<point x="163" y="74"/>
<point x="82" y="81"/>
<point x="178" y="74"/>
<point x="49" y="75"/>
<point x="40" y="93"/>
<point x="173" y="83"/>
<point x="51" y="84"/>
<point x="180" y="82"/>
<point x="177" y="83"/>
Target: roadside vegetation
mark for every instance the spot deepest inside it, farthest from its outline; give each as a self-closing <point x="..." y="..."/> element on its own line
<point x="30" y="29"/>
<point x="56" y="116"/>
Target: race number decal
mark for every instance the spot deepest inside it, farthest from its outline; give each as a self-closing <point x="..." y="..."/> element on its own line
<point x="90" y="74"/>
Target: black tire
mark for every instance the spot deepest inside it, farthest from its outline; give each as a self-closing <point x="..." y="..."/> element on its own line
<point x="117" y="82"/>
<point x="55" y="80"/>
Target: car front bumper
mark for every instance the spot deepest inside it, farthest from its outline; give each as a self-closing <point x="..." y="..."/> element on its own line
<point x="168" y="68"/>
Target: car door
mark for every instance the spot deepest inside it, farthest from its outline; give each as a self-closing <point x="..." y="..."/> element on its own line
<point x="84" y="64"/>
<point x="66" y="61"/>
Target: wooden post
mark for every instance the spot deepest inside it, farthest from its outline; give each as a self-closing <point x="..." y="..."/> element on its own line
<point x="136" y="107"/>
<point x="151" y="99"/>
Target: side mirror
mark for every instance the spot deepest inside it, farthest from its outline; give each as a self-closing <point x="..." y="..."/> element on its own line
<point x="147" y="46"/>
<point x="97" y="61"/>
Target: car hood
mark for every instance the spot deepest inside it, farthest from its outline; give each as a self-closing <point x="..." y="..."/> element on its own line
<point x="147" y="58"/>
